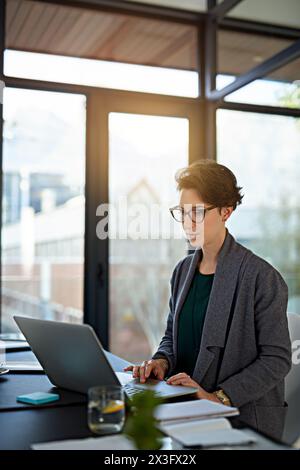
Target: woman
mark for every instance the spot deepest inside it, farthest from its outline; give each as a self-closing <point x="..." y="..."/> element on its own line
<point x="227" y="330"/>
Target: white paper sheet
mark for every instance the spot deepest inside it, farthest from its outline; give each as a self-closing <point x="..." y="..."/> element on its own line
<point x="15" y="344"/>
<point x="25" y="365"/>
<point x="117" y="442"/>
<point x="194" y="409"/>
<point x="203" y="425"/>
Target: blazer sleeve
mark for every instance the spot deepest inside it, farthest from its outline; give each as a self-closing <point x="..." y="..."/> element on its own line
<point x="165" y="348"/>
<point x="273" y="342"/>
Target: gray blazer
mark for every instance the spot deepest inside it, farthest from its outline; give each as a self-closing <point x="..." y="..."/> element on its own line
<point x="245" y="346"/>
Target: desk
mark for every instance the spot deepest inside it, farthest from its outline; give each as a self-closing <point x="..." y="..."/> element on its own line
<point x="25" y="426"/>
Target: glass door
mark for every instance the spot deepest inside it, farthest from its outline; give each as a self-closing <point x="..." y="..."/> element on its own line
<point x="139" y="141"/>
<point x="145" y="244"/>
<point x="43" y="205"/>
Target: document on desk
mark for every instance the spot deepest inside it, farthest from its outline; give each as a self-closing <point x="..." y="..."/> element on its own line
<point x="193" y="410"/>
<point x="207" y="433"/>
<point x="22" y="366"/>
<point x="117" y="442"/>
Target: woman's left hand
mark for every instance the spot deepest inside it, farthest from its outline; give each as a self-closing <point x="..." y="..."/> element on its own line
<point x="183" y="379"/>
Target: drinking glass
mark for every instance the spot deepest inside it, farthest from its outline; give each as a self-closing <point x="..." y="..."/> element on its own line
<point x="106" y="409"/>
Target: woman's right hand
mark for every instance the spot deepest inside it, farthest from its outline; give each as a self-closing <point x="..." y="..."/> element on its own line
<point x="157" y="367"/>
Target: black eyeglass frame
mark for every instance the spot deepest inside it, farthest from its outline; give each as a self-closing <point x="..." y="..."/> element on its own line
<point x="204" y="209"/>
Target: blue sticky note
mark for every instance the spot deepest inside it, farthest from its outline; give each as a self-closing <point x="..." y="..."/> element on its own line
<point x="38" y="398"/>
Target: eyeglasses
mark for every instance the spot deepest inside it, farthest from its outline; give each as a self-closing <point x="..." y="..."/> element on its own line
<point x="196" y="213"/>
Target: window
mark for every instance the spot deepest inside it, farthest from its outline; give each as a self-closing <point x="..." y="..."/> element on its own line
<point x="144" y="154"/>
<point x="264" y="153"/>
<point x="102" y="74"/>
<point x="43" y="205"/>
<point x="266" y="92"/>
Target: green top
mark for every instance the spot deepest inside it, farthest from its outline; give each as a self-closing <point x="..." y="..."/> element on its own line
<point x="191" y="320"/>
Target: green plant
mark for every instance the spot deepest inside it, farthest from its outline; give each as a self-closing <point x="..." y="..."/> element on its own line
<point x="141" y="424"/>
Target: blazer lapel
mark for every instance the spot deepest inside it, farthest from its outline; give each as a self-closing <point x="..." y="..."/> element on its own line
<point x="218" y="311"/>
<point x="219" y="306"/>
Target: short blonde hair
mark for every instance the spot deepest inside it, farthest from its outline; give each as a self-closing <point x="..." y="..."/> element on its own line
<point x="215" y="183"/>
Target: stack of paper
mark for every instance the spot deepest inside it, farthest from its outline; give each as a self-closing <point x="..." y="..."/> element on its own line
<point x="193" y="410"/>
<point x="206" y="433"/>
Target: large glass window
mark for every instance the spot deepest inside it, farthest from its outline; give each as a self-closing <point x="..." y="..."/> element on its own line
<point x="100" y="73"/>
<point x="264" y="153"/>
<point x="43" y="206"/>
<point x="144" y="154"/>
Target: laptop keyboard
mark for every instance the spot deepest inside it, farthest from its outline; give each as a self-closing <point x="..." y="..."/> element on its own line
<point x="132" y="390"/>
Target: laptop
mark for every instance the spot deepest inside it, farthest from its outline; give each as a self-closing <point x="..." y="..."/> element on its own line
<point x="74" y="359"/>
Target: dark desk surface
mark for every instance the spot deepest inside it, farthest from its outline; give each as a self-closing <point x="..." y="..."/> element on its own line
<point x="15" y="384"/>
<point x="25" y="425"/>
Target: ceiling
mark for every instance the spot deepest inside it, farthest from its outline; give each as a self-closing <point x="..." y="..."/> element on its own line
<point x="64" y="30"/>
<point x="42" y="27"/>
<point x="239" y="52"/>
